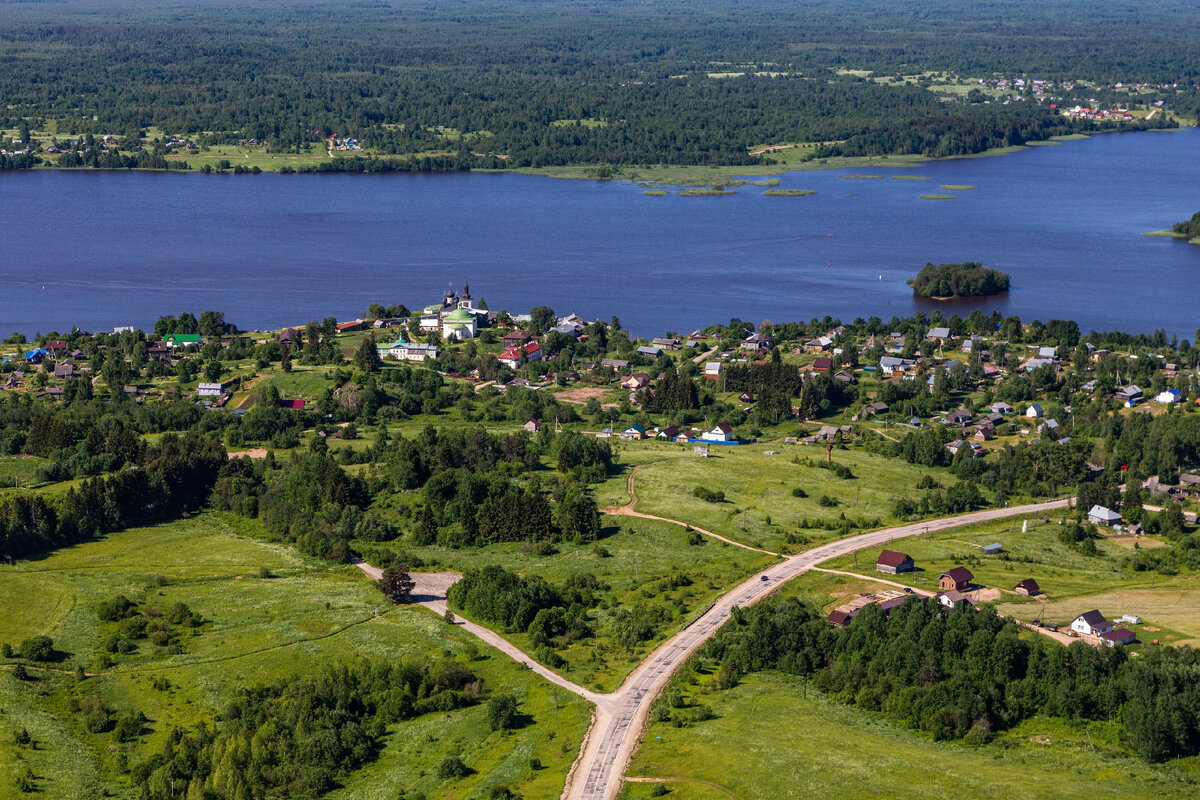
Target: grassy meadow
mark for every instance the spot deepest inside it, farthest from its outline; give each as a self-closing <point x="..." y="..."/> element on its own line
<point x="269" y="613"/>
<point x="642" y="561"/>
<point x="760" y="508"/>
<point x="772" y="736"/>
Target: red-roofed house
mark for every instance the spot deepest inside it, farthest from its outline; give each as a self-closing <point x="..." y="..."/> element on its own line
<point x="958" y="578"/>
<point x="294" y="405"/>
<point x="891" y="562"/>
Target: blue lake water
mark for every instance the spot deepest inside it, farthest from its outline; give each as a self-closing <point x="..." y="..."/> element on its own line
<point x="98" y="249"/>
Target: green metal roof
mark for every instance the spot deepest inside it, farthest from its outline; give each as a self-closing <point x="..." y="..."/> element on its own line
<point x="459" y="315"/>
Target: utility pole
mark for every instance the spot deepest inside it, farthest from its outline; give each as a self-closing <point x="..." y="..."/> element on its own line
<point x="635" y="570"/>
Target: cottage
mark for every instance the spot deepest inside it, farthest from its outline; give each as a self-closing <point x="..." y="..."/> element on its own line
<point x="614" y="363"/>
<point x="635" y="382"/>
<point x="841" y="618"/>
<point x="1028" y="587"/>
<point x="984" y="433"/>
<point x="293" y="405"/>
<point x="1091" y="623"/>
<point x="1000" y="407"/>
<point x="533" y="426"/>
<point x="634" y="432"/>
<point x="958" y="578"/>
<point x="515" y="338"/>
<point x="871" y="409"/>
<point x="959" y="417"/>
<point x="1099" y="515"/>
<point x="823" y="364"/>
<point x="514" y="356"/>
<point x="1168" y="396"/>
<point x="56" y="346"/>
<point x="653" y="351"/>
<point x="722" y="432"/>
<point x="350" y="327"/>
<point x="953" y="599"/>
<point x="940" y="334"/>
<point x="209" y="390"/>
<point x="1120" y="636"/>
<point x="893" y="562"/>
<point x="669" y="432"/>
<point x="35" y="356"/>
<point x="1034" y="411"/>
<point x="712" y="370"/>
<point x="63" y="370"/>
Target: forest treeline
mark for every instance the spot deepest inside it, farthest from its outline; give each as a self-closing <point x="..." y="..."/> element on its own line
<point x="588" y="83"/>
<point x="967" y="673"/>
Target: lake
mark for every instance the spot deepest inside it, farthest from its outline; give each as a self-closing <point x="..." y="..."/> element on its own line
<point x="98" y="249"/>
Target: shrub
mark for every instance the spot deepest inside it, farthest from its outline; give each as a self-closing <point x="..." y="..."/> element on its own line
<point x="798" y="492"/>
<point x="825" y="501"/>
<point x="38" y="648"/>
<point x="708" y="495"/>
<point x="452" y="767"/>
<point x="502" y="712"/>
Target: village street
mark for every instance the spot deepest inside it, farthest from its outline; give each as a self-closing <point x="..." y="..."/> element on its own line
<point x="620" y="715"/>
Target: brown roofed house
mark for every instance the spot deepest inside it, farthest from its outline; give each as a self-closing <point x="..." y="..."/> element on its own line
<point x="1028" y="587"/>
<point x="893" y="562"/>
<point x="958" y="578"/>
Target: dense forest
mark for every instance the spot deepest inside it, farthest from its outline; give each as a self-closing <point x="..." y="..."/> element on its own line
<point x="958" y="280"/>
<point x="967" y="674"/>
<point x="507" y="84"/>
<point x="1190" y="228"/>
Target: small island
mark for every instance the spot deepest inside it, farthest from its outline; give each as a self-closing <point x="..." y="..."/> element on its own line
<point x="948" y="281"/>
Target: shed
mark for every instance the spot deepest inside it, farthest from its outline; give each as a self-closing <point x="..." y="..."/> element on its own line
<point x="893" y="562"/>
<point x="1028" y="587"/>
<point x="991" y="549"/>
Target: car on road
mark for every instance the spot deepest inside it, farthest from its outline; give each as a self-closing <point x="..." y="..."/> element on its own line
<point x="764" y="578"/>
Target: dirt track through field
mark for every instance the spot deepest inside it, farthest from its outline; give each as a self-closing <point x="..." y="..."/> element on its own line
<point x="621" y="715"/>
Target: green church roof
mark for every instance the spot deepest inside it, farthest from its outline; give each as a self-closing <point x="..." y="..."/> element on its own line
<point x="459" y="315"/>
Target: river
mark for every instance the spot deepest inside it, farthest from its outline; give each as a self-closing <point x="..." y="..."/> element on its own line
<point x="100" y="249"/>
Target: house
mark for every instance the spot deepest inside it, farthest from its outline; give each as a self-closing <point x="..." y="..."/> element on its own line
<point x="953" y="598"/>
<point x="1119" y="636"/>
<point x="351" y="326"/>
<point x="843" y="376"/>
<point x="1091" y="623"/>
<point x="1034" y="411"/>
<point x="722" y="432"/>
<point x="1050" y="426"/>
<point x="940" y="334"/>
<point x="63" y="370"/>
<point x="653" y="351"/>
<point x="174" y="340"/>
<point x="984" y="433"/>
<point x="819" y="344"/>
<point x="1189" y="483"/>
<point x="893" y="562"/>
<point x="405" y="351"/>
<point x="1048" y="352"/>
<point x="665" y="343"/>
<point x="292" y="405"/>
<point x="614" y="363"/>
<point x="515" y="338"/>
<point x="669" y="432"/>
<point x="635" y="382"/>
<point x="959" y="417"/>
<point x="958" y="578"/>
<point x="567" y="329"/>
<point x="890" y="366"/>
<point x="56" y="346"/>
<point x="1099" y="515"/>
<point x="35" y="356"/>
<point x="841" y="618"/>
<point x="746" y="397"/>
<point x="822" y="364"/>
<point x="991" y="549"/>
<point x="1000" y="407"/>
<point x="533" y="426"/>
<point x="1167" y="397"/>
<point x="872" y="409"/>
<point x="1028" y="587"/>
<point x="635" y="432"/>
<point x="209" y="390"/>
<point x="512" y="357"/>
<point x="712" y="369"/>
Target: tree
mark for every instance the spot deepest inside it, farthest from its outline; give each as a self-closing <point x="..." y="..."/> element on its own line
<point x="502" y="712"/>
<point x="541" y="319"/>
<point x="396" y="584"/>
<point x="38" y="648"/>
<point x="366" y="357"/>
<point x="212" y="370"/>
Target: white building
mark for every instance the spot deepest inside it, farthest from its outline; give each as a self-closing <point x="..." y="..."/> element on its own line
<point x="1034" y="411"/>
<point x="1091" y="623"/>
<point x="1100" y="515"/>
<point x="721" y="433"/>
<point x="405" y="351"/>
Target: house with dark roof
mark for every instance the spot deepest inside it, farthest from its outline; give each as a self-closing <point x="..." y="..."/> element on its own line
<point x="1091" y="623"/>
<point x="893" y="562"/>
<point x="953" y="599"/>
<point x="721" y="432"/>
<point x="842" y="618"/>
<point x="1028" y="587"/>
<point x="1118" y="636"/>
<point x="958" y="578"/>
<point x="1099" y="515"/>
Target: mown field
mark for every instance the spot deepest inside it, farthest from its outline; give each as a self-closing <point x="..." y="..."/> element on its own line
<point x="269" y="614"/>
<point x="772" y="736"/>
<point x="1074" y="582"/>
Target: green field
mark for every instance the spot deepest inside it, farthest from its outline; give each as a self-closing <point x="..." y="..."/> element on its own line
<point x="19" y="472"/>
<point x="638" y="559"/>
<point x="1073" y="582"/>
<point x="759" y="507"/>
<point x="258" y="630"/>
<point x="773" y="737"/>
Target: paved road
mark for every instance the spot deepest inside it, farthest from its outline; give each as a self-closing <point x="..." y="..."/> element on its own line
<point x="620" y="715"/>
<point x="607" y="755"/>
